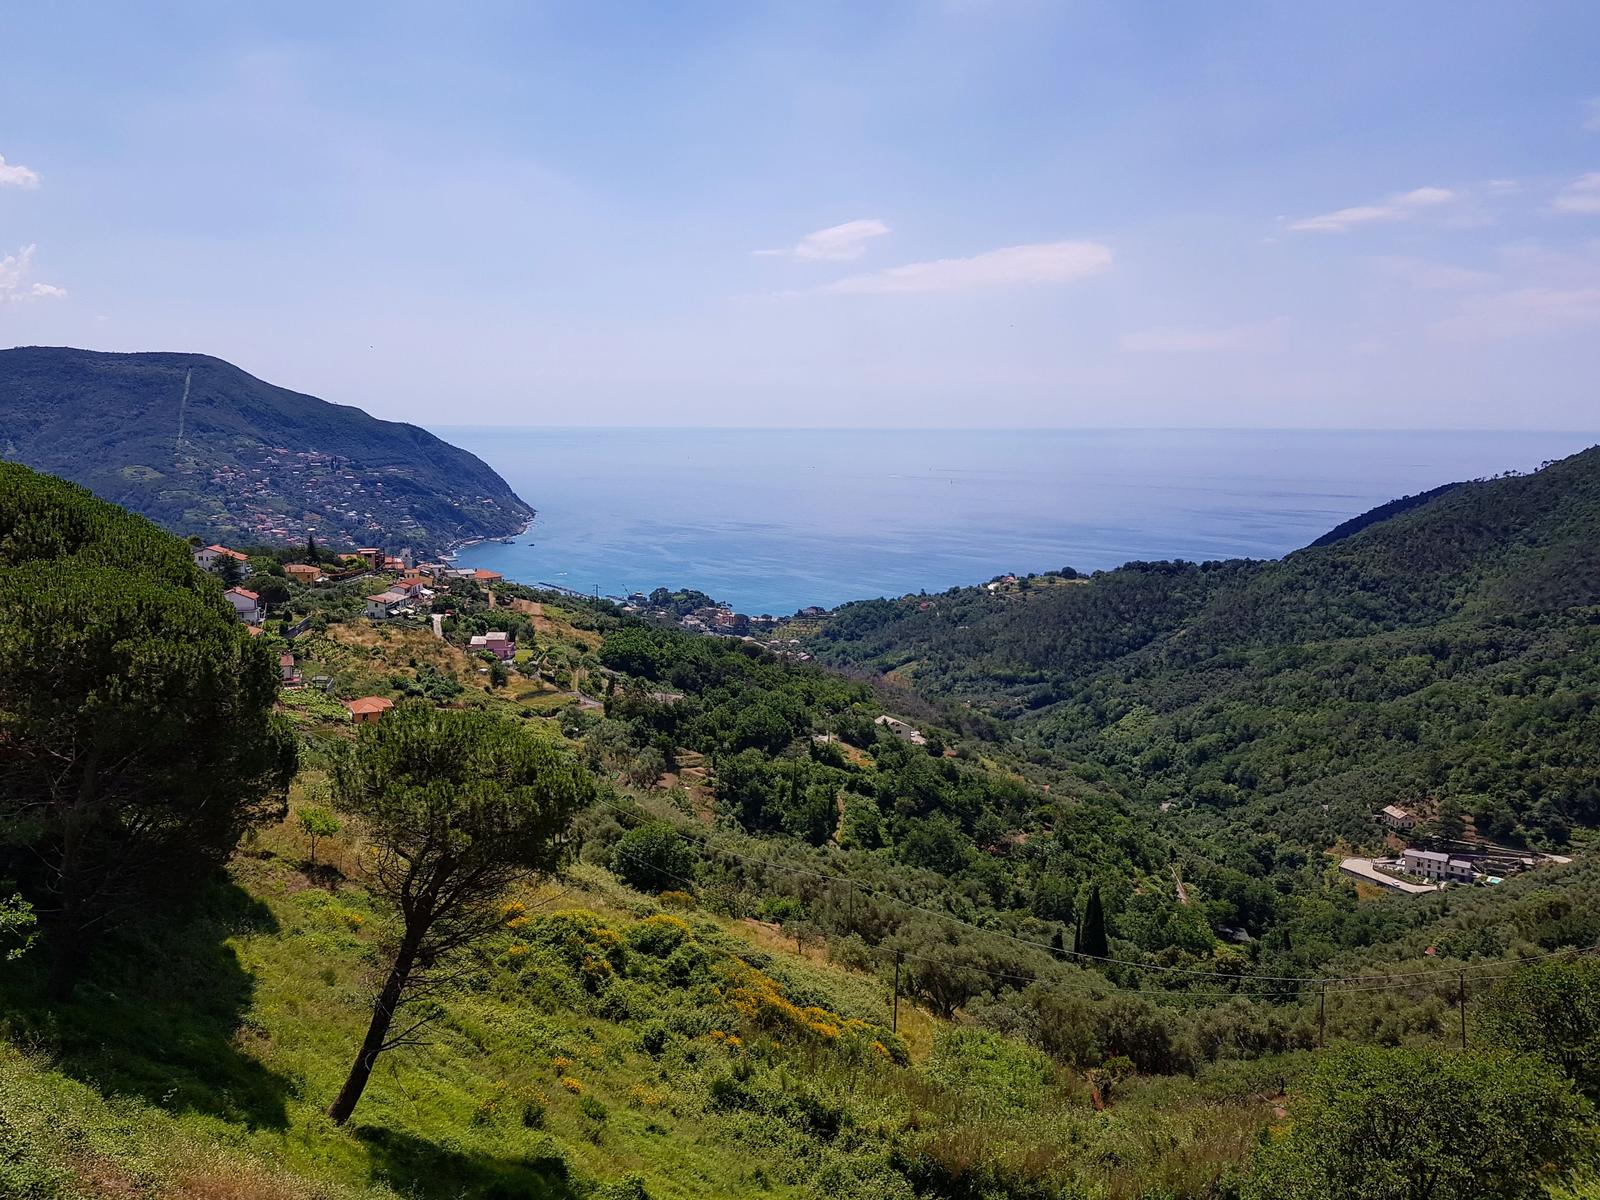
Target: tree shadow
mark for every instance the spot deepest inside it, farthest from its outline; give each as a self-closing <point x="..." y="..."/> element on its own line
<point x="160" y="1013"/>
<point x="414" y="1166"/>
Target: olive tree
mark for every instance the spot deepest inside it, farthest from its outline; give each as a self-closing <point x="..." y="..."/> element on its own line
<point x="454" y="805"/>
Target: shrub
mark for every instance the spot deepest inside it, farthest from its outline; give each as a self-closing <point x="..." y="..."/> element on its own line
<point x="654" y="857"/>
<point x="658" y="935"/>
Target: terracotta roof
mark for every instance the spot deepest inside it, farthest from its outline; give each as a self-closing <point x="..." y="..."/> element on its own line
<point x="369" y="704"/>
<point x="245" y="592"/>
<point x="481" y="573"/>
<point x="286" y="660"/>
<point x="230" y="553"/>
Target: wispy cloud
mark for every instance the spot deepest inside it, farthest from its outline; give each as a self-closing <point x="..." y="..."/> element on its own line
<point x="1431" y="276"/>
<point x="1581" y="196"/>
<point x="1396" y="208"/>
<point x="15" y="286"/>
<point x="1259" y="336"/>
<point x="1522" y="311"/>
<point x="17" y="175"/>
<point x="837" y="243"/>
<point x="1038" y="263"/>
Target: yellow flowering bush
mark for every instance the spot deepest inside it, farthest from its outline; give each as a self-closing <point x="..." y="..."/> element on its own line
<point x="572" y="1085"/>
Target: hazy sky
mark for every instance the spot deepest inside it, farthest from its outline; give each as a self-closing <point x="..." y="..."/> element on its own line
<point x="1034" y="214"/>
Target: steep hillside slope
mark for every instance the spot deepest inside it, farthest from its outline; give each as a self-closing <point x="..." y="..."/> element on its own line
<point x="200" y="446"/>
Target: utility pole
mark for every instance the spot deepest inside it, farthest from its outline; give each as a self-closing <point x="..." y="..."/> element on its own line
<point x="1461" y="1003"/>
<point x="894" y="1020"/>
<point x="1322" y="1013"/>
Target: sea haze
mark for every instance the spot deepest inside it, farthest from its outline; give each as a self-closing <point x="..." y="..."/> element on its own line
<point x="773" y="520"/>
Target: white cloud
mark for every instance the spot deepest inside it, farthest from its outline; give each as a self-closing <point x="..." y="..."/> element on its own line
<point x="1202" y="341"/>
<point x="1581" y="196"/>
<point x="14" y="284"/>
<point x="1041" y="262"/>
<point x="837" y="243"/>
<point x="17" y="175"/>
<point x="1522" y="311"/>
<point x="1591" y="114"/>
<point x="1396" y="208"/>
<point x="1419" y="273"/>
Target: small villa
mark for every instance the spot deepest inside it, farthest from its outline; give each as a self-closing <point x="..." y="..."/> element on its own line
<point x="303" y="572"/>
<point x="483" y="576"/>
<point x="387" y="604"/>
<point x="1397" y="818"/>
<point x="207" y="557"/>
<point x="368" y="709"/>
<point x="246" y="604"/>
<point x="498" y="644"/>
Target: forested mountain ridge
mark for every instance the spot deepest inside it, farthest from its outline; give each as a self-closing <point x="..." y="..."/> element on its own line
<point x="1450" y="650"/>
<point x="200" y="446"/>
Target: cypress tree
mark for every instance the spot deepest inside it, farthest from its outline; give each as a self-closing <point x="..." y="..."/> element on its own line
<point x="1092" y="933"/>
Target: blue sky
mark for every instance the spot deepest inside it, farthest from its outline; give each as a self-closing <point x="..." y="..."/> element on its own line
<point x="988" y="214"/>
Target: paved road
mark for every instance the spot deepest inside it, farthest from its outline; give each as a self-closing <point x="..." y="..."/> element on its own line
<point x="1362" y="868"/>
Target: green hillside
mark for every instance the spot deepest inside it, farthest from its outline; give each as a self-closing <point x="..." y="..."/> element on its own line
<point x="255" y="463"/>
<point x="1447" y="656"/>
<point x="781" y="947"/>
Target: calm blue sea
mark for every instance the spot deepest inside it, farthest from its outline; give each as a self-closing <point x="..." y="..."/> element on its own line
<point x="773" y="520"/>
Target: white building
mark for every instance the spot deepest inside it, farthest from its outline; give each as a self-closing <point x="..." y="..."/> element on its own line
<point x="901" y="730"/>
<point x="1396" y="817"/>
<point x="245" y="603"/>
<point x="1438" y="866"/>
<point x="207" y="556"/>
<point x="386" y="604"/>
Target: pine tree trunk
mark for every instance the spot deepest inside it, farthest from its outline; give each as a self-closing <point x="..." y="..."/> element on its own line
<point x="383" y="1011"/>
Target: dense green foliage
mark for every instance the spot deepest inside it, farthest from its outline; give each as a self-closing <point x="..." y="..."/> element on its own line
<point x="1416" y="1125"/>
<point x="1552" y="1009"/>
<point x="255" y="463"/>
<point x="136" y="718"/>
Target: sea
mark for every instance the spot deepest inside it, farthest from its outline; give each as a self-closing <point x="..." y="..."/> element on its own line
<point x="771" y="521"/>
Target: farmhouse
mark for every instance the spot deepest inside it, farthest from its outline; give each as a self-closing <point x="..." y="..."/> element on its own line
<point x="303" y="572"/>
<point x="901" y="730"/>
<point x="1438" y="866"/>
<point x="1396" y="818"/>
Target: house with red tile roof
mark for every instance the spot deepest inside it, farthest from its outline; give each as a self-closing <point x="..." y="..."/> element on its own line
<point x="206" y="559"/>
<point x="246" y="604"/>
<point x="368" y="709"/>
